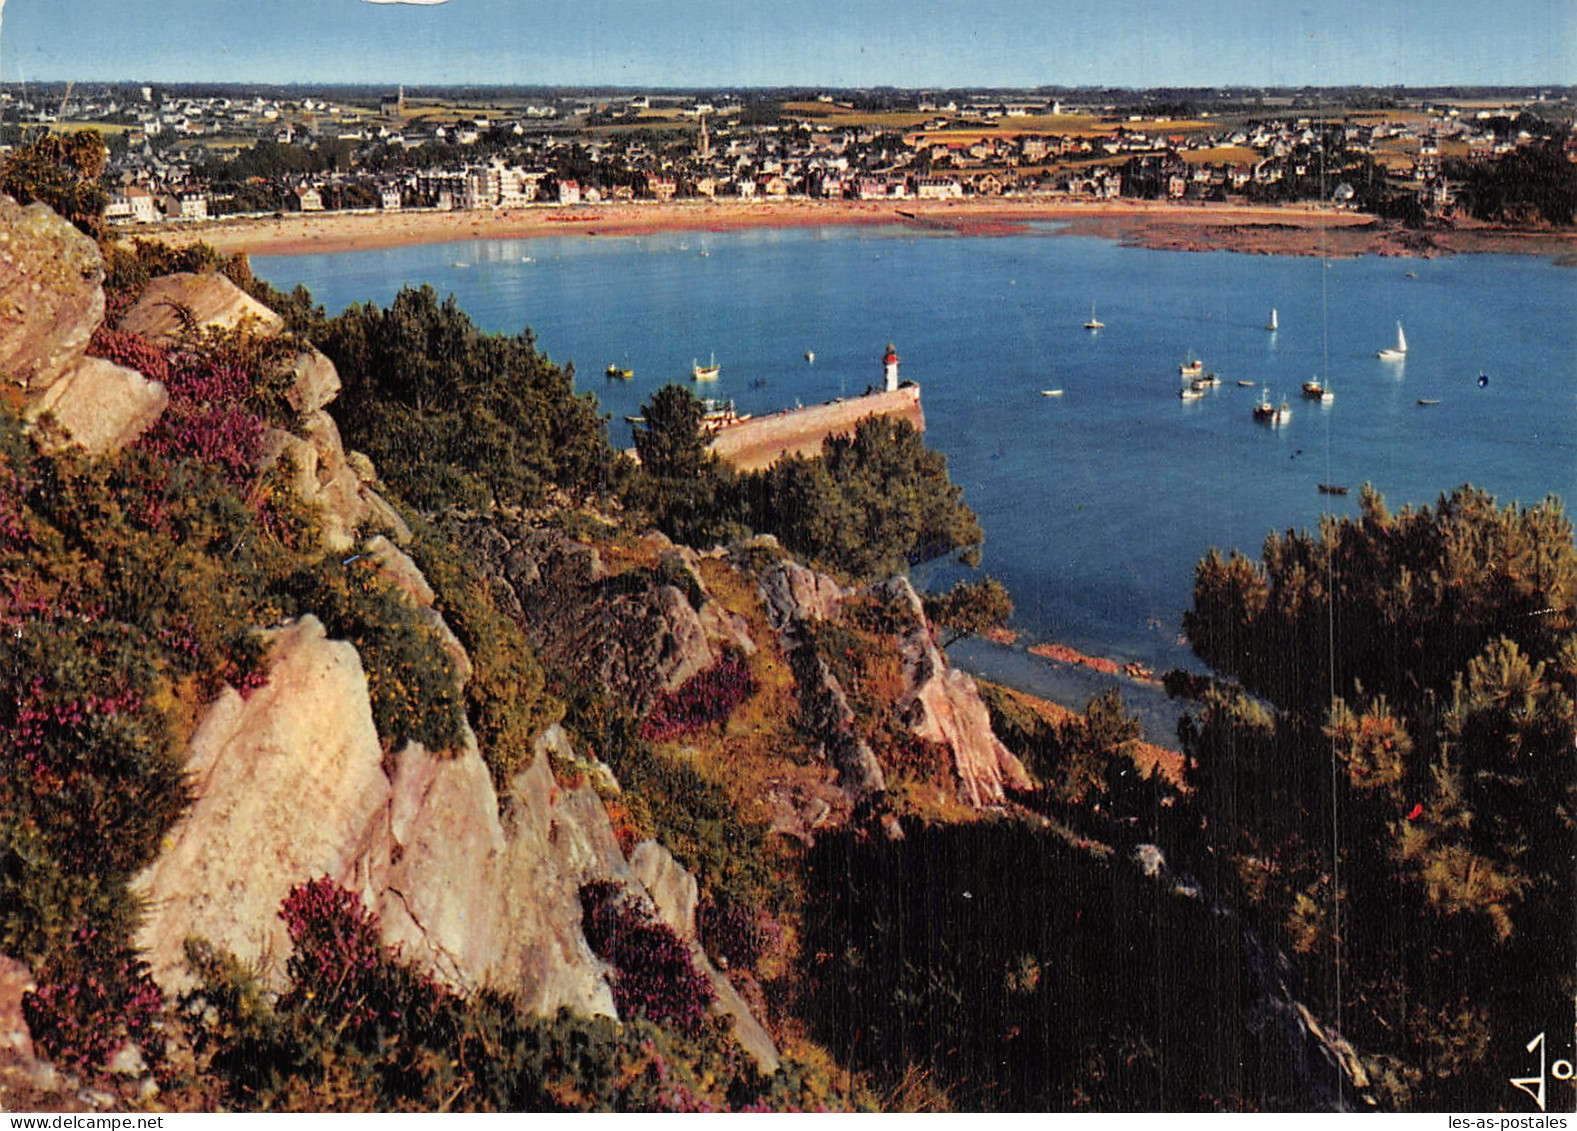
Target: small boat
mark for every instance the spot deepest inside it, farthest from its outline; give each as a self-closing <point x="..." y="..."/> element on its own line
<point x="706" y="372"/>
<point x="1274" y="324"/>
<point x="1412" y="274"/>
<point x="1245" y="384"/>
<point x="636" y="419"/>
<point x="1315" y="391"/>
<point x="717" y="415"/>
<point x="1051" y="392"/>
<point x="810" y="356"/>
<point x="1271" y="413"/>
<point x="1428" y="400"/>
<point x="620" y="372"/>
<point x="1191" y="368"/>
<point x="1397" y="352"/>
<point x="1094" y="323"/>
<point x="1191" y="392"/>
<point x="1332" y="488"/>
<point x="1205" y="381"/>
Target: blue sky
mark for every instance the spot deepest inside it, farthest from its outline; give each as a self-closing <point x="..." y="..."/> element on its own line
<point x="812" y="42"/>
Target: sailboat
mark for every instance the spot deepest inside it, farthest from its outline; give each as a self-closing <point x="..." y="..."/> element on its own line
<point x="1273" y="325"/>
<point x="1397" y="352"/>
<point x="1094" y="323"/>
<point x="706" y="372"/>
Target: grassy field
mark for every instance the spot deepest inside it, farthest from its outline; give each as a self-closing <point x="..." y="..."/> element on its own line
<point x="1222" y="155"/>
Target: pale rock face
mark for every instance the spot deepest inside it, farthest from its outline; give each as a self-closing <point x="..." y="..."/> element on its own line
<point x="944" y="705"/>
<point x="210" y="299"/>
<point x="288" y="788"/>
<point x="316" y="382"/>
<point x="791" y="593"/>
<point x="101" y="406"/>
<point x="51" y="294"/>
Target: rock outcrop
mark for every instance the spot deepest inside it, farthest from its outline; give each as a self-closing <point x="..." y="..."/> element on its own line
<point x="291" y="784"/>
<point x="51" y="294"/>
<point x="51" y="301"/>
<point x="632" y="634"/>
<point x="169" y="302"/>
<point x="942" y="704"/>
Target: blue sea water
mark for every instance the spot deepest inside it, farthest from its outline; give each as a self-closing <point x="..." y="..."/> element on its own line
<point x="1098" y="502"/>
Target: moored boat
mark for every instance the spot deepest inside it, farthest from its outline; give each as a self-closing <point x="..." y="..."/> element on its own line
<point x="1275" y="323"/>
<point x="619" y="372"/>
<point x="1332" y="488"/>
<point x="1397" y="352"/>
<point x="1094" y="323"/>
<point x="1271" y="413"/>
<point x="1191" y="368"/>
<point x="706" y="372"/>
<point x="1316" y="390"/>
<point x="1428" y="400"/>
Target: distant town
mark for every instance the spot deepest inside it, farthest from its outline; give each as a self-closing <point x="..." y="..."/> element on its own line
<point x="194" y="153"/>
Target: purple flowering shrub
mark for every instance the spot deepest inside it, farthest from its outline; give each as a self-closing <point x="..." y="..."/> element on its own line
<point x="653" y="975"/>
<point x="703" y="698"/>
<point x="92" y="998"/>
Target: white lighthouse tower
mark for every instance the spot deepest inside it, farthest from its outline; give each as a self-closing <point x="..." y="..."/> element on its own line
<point x="890" y="368"/>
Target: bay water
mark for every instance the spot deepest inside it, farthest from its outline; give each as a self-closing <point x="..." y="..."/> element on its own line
<point x="1096" y="502"/>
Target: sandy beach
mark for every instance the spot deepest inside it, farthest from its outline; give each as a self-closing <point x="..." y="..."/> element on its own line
<point x="1262" y="230"/>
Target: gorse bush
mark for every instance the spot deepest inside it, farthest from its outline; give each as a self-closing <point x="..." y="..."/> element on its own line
<point x="654" y="976"/>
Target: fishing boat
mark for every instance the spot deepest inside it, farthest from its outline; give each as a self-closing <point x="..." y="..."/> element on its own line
<point x="1245" y="384"/>
<point x="706" y="372"/>
<point x="1269" y="412"/>
<point x="1205" y="381"/>
<point x="1191" y="368"/>
<point x="1397" y="352"/>
<point x="717" y="415"/>
<point x="1315" y="390"/>
<point x="1094" y="323"/>
<point x="1192" y="391"/>
<point x="1274" y="324"/>
<point x="621" y="372"/>
<point x="1332" y="488"/>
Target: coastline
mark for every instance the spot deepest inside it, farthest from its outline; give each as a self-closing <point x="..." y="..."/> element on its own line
<point x="1249" y="229"/>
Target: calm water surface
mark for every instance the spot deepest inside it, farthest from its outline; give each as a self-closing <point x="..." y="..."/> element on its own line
<point x="1098" y="502"/>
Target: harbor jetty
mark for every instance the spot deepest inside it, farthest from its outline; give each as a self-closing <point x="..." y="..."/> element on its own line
<point x="760" y="441"/>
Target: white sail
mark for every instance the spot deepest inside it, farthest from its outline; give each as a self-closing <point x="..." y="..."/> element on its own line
<point x="1401" y="339"/>
<point x="1274" y="323"/>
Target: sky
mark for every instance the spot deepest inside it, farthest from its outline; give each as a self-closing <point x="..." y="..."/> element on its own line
<point x="830" y="43"/>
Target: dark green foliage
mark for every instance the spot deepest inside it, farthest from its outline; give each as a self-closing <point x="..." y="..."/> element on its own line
<point x="62" y="171"/>
<point x="506" y="698"/>
<point x="455" y="417"/>
<point x="970" y="607"/>
<point x="1530" y="184"/>
<point x="1405" y="808"/>
<point x="685" y="489"/>
<point x="1026" y="974"/>
<point x="872" y="504"/>
<point x="1401" y="602"/>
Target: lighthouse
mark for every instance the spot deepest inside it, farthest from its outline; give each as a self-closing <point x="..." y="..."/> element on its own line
<point x="890" y="368"/>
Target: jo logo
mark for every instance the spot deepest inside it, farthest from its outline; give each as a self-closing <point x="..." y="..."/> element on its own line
<point x="1535" y="1085"/>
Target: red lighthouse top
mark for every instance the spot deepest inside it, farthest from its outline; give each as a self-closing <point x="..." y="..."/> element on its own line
<point x="891" y="357"/>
